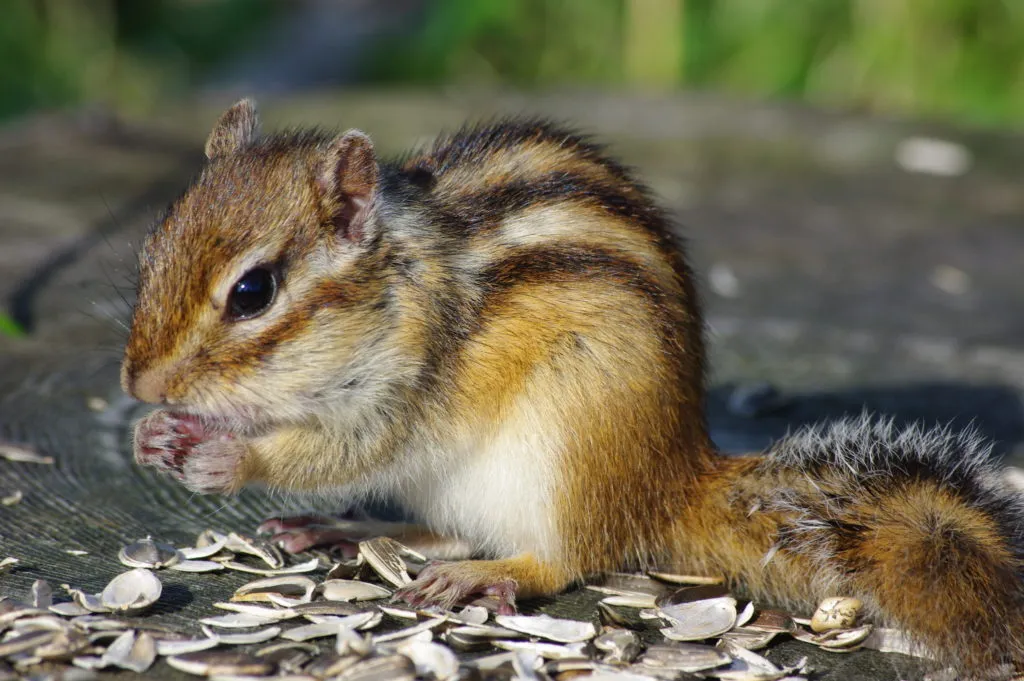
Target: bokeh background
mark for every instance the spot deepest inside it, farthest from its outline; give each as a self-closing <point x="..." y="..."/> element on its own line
<point x="954" y="60"/>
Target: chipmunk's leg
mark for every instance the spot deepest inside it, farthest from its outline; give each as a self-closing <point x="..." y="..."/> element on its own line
<point x="523" y="576"/>
<point x="298" y="533"/>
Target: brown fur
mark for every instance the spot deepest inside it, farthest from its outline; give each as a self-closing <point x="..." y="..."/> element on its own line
<point x="513" y="285"/>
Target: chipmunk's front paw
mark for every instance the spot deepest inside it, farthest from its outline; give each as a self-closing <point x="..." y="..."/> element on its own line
<point x="204" y="460"/>
<point x="446" y="584"/>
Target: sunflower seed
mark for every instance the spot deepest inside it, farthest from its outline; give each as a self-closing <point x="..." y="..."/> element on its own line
<point x="41" y="594"/>
<point x="619" y="645"/>
<point x="492" y="662"/>
<point x="209" y="537"/>
<point x="486" y="632"/>
<point x="526" y="664"/>
<point x="88" y="662"/>
<point x="431" y="660"/>
<point x="637" y="600"/>
<point x="264" y="550"/>
<point x="284" y="601"/>
<point x="387" y="668"/>
<point x="199" y="552"/>
<point x="383" y="556"/>
<point x="745" y="615"/>
<point x="308" y="566"/>
<point x="86" y="601"/>
<point x="625" y="584"/>
<point x="289" y="654"/>
<point x="409" y="632"/>
<point x="547" y="627"/>
<point x="197" y="566"/>
<point x="749" y="638"/>
<point x="218" y="662"/>
<point x="612" y="617"/>
<point x="363" y="621"/>
<point x="37" y="622"/>
<point x="237" y="620"/>
<point x="336" y="608"/>
<point x="193" y="645"/>
<point x="843" y="640"/>
<point x="289" y="585"/>
<point x="22" y="454"/>
<point x="69" y="609"/>
<point x="684" y="657"/>
<point x="12" y="610"/>
<point x="128" y="651"/>
<point x="693" y="580"/>
<point x="349" y="643"/>
<point x="147" y="553"/>
<point x="247" y="638"/>
<point x="13" y="498"/>
<point x="747" y="666"/>
<point x="549" y="651"/>
<point x="24" y="642"/>
<point x="471" y="614"/>
<point x="569" y="667"/>
<point x="836" y="612"/>
<point x="346" y="569"/>
<point x="894" y="641"/>
<point x="316" y="630"/>
<point x="329" y="626"/>
<point x="772" y="620"/>
<point x="329" y="665"/>
<point x="699" y="620"/>
<point x="131" y="591"/>
<point x="7" y="563"/>
<point x="268" y="614"/>
<point x="63" y="646"/>
<point x="99" y="623"/>
<point x="76" y="552"/>
<point x="350" y="590"/>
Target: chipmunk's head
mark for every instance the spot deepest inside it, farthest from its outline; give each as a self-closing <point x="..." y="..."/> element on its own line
<point x="259" y="291"/>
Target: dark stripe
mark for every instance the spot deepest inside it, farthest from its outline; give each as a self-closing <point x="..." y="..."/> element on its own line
<point x="475" y="144"/>
<point x="486" y="209"/>
<point x="327" y="294"/>
<point x="565" y="263"/>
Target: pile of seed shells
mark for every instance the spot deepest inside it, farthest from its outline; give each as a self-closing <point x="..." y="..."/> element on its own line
<point x="345" y="627"/>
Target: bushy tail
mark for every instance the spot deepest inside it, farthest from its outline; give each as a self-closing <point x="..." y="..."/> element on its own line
<point x="917" y="523"/>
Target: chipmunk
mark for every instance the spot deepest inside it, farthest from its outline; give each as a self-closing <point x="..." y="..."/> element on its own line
<point x="501" y="333"/>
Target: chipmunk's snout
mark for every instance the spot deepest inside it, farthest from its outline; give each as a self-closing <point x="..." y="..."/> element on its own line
<point x="149" y="385"/>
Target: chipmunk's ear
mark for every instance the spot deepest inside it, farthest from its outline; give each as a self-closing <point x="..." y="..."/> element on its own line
<point x="348" y="180"/>
<point x="235" y="130"/>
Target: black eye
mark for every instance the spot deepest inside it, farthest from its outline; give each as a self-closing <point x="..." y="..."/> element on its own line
<point x="252" y="294"/>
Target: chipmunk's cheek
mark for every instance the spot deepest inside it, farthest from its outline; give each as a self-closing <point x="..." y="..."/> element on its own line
<point x="214" y="466"/>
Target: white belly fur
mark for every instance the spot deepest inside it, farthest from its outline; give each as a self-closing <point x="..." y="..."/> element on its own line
<point x="497" y="492"/>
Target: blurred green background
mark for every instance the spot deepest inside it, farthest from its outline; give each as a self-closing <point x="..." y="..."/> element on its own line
<point x="959" y="60"/>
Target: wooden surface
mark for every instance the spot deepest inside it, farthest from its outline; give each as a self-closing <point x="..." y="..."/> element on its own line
<point x="835" y="252"/>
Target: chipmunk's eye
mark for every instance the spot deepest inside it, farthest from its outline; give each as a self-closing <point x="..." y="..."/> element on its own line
<point x="252" y="294"/>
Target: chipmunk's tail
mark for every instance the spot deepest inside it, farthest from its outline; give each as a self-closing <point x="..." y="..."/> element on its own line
<point x="916" y="523"/>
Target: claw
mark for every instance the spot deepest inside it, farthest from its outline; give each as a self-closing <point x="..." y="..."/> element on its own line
<point x="447" y="584"/>
<point x="300" y="533"/>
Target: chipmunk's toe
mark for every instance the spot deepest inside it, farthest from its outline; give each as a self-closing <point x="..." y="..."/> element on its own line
<point x="296" y="534"/>
<point x="447" y="584"/>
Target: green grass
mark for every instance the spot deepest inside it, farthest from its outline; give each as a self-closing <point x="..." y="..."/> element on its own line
<point x="954" y="59"/>
<point x="961" y="60"/>
<point x="8" y="327"/>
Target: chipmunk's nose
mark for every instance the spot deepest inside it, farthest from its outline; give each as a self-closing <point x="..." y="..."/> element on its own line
<point x="149" y="385"/>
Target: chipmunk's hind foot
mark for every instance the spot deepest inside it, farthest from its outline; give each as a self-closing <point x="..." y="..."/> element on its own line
<point x="447" y="584"/>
